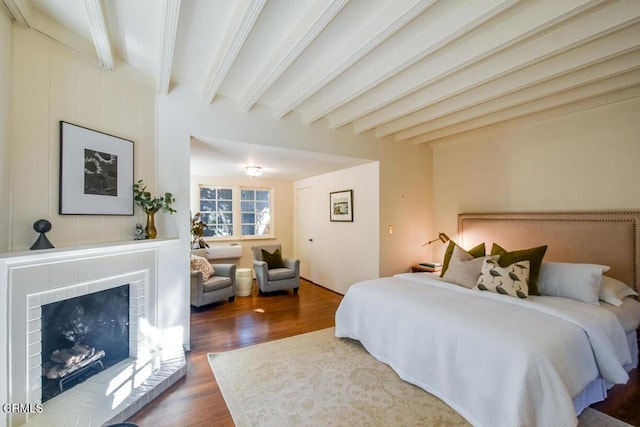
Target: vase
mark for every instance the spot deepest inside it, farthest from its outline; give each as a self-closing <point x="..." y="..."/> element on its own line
<point x="151" y="227"/>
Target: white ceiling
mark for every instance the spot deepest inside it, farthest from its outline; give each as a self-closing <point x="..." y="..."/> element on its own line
<point x="418" y="70"/>
<point x="215" y="158"/>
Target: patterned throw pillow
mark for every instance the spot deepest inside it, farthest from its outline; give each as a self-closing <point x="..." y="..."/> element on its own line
<point x="533" y="255"/>
<point x="201" y="264"/>
<point x="512" y="280"/>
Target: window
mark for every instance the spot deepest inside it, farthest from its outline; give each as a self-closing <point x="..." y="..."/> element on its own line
<point x="234" y="212"/>
<point x="216" y="209"/>
<point x="256" y="212"/>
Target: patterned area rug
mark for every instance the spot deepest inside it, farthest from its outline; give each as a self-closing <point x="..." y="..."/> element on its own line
<point x="316" y="379"/>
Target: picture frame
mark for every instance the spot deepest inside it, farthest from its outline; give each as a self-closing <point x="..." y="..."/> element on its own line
<point x="96" y="172"/>
<point x="341" y="206"/>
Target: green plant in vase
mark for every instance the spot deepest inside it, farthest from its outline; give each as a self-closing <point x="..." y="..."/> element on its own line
<point x="197" y="230"/>
<point x="150" y="205"/>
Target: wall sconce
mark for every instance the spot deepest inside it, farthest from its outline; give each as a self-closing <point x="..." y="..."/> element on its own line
<point x="254" y="171"/>
<point x="442" y="237"/>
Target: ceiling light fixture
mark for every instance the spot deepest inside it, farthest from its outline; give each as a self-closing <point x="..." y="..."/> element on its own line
<point x="254" y="171"/>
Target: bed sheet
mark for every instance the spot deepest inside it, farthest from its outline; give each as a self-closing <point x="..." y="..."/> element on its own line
<point x="495" y="360"/>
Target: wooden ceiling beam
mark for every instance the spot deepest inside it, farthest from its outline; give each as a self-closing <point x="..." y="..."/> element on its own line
<point x="305" y="31"/>
<point x="592" y="61"/>
<point x="592" y="75"/>
<point x="363" y="40"/>
<point x="438" y="27"/>
<point x="625" y="86"/>
<point x="100" y="33"/>
<point x="168" y="34"/>
<point x="544" y="44"/>
<point x="520" y="23"/>
<point x="243" y="19"/>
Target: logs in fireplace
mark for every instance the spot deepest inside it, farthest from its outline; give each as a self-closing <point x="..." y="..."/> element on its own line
<point x="68" y="365"/>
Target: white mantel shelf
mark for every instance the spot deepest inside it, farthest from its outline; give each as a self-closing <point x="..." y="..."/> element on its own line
<point x="65" y="252"/>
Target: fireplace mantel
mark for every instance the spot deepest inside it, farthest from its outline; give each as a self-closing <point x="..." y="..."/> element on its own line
<point x="30" y="279"/>
<point x="67" y="252"/>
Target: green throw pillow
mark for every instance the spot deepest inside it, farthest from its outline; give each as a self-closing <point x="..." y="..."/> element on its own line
<point x="273" y="260"/>
<point x="475" y="252"/>
<point x="533" y="255"/>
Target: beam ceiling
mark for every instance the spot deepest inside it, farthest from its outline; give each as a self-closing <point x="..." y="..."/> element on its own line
<point x="412" y="70"/>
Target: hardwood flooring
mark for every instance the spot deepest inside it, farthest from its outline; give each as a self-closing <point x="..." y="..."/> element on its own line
<point x="196" y="401"/>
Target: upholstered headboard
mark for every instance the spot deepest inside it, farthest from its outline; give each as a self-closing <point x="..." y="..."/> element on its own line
<point x="608" y="238"/>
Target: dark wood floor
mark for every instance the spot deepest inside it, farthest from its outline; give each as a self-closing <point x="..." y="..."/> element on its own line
<point x="196" y="400"/>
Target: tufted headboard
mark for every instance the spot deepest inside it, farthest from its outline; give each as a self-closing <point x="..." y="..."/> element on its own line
<point x="608" y="238"/>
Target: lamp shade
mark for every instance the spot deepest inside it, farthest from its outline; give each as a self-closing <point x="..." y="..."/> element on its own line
<point x="441" y="236"/>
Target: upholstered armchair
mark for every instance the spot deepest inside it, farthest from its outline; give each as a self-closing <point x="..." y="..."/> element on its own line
<point x="218" y="287"/>
<point x="283" y="274"/>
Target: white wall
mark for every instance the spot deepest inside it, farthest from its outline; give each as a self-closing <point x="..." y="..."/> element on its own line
<point x="406" y="204"/>
<point x="343" y="253"/>
<point x="282" y="214"/>
<point x="5" y="115"/>
<point x="587" y="160"/>
<point x="53" y="83"/>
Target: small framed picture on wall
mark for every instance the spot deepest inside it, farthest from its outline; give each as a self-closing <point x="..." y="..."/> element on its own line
<point x="341" y="206"/>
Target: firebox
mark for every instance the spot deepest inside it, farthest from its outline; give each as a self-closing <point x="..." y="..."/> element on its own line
<point x="82" y="336"/>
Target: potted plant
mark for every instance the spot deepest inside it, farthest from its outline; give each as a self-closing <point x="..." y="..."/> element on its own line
<point x="150" y="205"/>
<point x="197" y="229"/>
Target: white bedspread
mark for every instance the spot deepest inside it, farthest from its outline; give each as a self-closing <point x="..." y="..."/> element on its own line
<point x="498" y="361"/>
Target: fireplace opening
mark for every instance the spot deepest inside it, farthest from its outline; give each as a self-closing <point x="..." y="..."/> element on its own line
<point x="81" y="336"/>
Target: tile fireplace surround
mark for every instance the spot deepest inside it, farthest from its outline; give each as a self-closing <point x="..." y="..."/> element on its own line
<point x="29" y="280"/>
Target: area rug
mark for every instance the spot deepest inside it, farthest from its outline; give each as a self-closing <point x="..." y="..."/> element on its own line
<point x="316" y="379"/>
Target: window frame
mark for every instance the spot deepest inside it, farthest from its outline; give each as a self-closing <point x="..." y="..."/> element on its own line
<point x="236" y="203"/>
<point x="217" y="199"/>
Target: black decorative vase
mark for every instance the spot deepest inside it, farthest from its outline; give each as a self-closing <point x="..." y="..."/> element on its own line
<point x="42" y="226"/>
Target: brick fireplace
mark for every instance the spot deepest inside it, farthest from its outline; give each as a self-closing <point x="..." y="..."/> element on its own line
<point x="112" y="395"/>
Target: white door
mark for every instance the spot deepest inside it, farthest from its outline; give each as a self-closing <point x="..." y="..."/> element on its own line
<point x="304" y="212"/>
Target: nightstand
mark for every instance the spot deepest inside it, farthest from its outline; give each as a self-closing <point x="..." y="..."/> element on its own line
<point x="417" y="268"/>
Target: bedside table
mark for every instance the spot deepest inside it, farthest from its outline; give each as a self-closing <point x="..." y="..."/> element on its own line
<point x="417" y="268"/>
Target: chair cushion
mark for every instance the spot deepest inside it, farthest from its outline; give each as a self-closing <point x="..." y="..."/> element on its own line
<point x="215" y="283"/>
<point x="281" y="273"/>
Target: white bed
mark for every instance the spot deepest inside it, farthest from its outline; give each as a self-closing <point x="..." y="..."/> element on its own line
<point x="499" y="360"/>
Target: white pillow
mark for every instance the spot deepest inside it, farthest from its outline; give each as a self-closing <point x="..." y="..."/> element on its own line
<point x="613" y="291"/>
<point x="464" y="269"/>
<point x="570" y="280"/>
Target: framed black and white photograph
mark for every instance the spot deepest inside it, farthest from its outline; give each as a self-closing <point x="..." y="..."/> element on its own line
<point x="341" y="205"/>
<point x="96" y="172"/>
